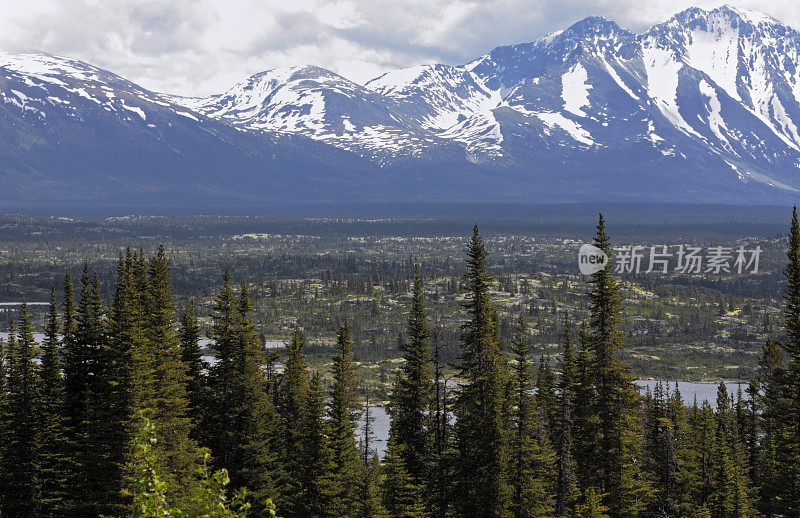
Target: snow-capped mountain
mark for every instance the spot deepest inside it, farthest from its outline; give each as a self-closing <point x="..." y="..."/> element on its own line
<point x="702" y="107"/>
<point x="324" y="106"/>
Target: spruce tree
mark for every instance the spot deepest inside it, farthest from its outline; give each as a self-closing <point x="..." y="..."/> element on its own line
<point x="622" y="481"/>
<point x="293" y="407"/>
<point x="53" y="445"/>
<point x="586" y="422"/>
<point x="730" y="486"/>
<point x="169" y="407"/>
<point x="244" y="428"/>
<point x="343" y="413"/>
<point x="546" y="398"/>
<point x="95" y="486"/>
<point x="482" y="430"/>
<point x="565" y="485"/>
<point x="400" y="496"/>
<point x="369" y="498"/>
<point x="22" y="454"/>
<point x="676" y="413"/>
<point x="316" y="478"/>
<point x="767" y="474"/>
<point x="413" y="388"/>
<point x="789" y="447"/>
<point x="662" y="457"/>
<point x="196" y="369"/>
<point x="125" y="371"/>
<point x="530" y="460"/>
<point x="704" y="447"/>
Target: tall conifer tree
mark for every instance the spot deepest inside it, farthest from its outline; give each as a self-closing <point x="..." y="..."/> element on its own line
<point x="169" y="408"/>
<point x="530" y="461"/>
<point x="53" y="446"/>
<point x="22" y="453"/>
<point x="196" y="369"/>
<point x="565" y="485"/>
<point x="789" y="457"/>
<point x="343" y="412"/>
<point x="413" y="389"/>
<point x="619" y="437"/>
<point x="293" y="407"/>
<point x="244" y="429"/>
<point x="482" y="430"/>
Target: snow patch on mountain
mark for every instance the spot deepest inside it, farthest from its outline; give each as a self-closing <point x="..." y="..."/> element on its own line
<point x="573" y="129"/>
<point x="575" y="90"/>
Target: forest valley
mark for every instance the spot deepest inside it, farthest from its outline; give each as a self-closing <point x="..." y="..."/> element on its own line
<point x="118" y="413"/>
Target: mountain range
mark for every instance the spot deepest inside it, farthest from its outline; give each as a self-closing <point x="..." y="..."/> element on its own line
<point x="702" y="108"/>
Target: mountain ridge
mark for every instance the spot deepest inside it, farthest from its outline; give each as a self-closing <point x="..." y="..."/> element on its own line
<point x="702" y="107"/>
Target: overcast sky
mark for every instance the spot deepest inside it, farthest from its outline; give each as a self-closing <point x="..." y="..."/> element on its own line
<point x="199" y="47"/>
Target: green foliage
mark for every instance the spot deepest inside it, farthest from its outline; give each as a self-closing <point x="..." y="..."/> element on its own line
<point x="53" y="445"/>
<point x="616" y="404"/>
<point x="343" y="412"/>
<point x="482" y="429"/>
<point x="531" y="452"/>
<point x="399" y="492"/>
<point x="111" y="420"/>
<point x="592" y="506"/>
<point x="197" y="382"/>
<point x="413" y="388"/>
<point x="207" y="500"/>
<point x="21" y="452"/>
<point x="244" y="431"/>
<point x="566" y="487"/>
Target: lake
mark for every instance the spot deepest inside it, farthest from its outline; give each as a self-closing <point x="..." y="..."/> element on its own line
<point x="705" y="391"/>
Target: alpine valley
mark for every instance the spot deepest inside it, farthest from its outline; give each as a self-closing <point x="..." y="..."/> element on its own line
<point x="704" y="107"/>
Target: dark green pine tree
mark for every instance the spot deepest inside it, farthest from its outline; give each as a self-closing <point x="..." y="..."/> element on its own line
<point x="53" y="445"/>
<point x="400" y="496"/>
<point x="22" y="453"/>
<point x="292" y="408"/>
<point x="343" y="412"/>
<point x="547" y="398"/>
<point x="566" y="487"/>
<point x="413" y="388"/>
<point x="95" y="486"/>
<point x="703" y="447"/>
<point x="661" y="448"/>
<point x="585" y="421"/>
<point x="169" y="407"/>
<point x="244" y="434"/>
<point x="69" y="351"/>
<point x="125" y="370"/>
<point x="316" y="477"/>
<point x="531" y="456"/>
<point x="789" y="447"/>
<point x="622" y="480"/>
<point x="482" y="429"/>
<point x="772" y="401"/>
<point x="196" y="369"/>
<point x="129" y="362"/>
<point x="677" y="415"/>
<point x="730" y="487"/>
<point x="218" y="427"/>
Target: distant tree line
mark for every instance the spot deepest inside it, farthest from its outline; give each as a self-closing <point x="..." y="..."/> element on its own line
<point x="121" y="416"/>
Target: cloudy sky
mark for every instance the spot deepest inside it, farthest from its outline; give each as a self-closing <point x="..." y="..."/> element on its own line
<point x="199" y="47"/>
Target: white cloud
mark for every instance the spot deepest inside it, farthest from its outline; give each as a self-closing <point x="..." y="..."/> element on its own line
<point x="198" y="47"/>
